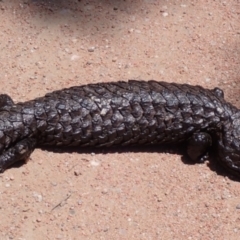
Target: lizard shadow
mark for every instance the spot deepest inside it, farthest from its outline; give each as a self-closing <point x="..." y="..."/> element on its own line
<point x="179" y="149"/>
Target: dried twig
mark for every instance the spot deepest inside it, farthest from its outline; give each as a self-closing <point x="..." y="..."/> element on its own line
<point x="63" y="201"/>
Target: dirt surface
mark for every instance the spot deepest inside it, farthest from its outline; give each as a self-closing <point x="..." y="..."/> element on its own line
<point x="48" y="45"/>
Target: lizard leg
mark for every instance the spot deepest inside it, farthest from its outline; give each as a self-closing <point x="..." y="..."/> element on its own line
<point x="198" y="146"/>
<point x="20" y="151"/>
<point x="218" y="92"/>
<point x="5" y="101"/>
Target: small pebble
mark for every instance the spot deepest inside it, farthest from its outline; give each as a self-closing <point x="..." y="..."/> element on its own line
<point x="77" y="173"/>
<point x="71" y="211"/>
<point x="104" y="191"/>
<point x="94" y="163"/>
<point x="54" y="184"/>
<point x="165" y="14"/>
<point x="238" y="206"/>
<point x="74" y="57"/>
<point x="91" y="49"/>
<point x="38" y="197"/>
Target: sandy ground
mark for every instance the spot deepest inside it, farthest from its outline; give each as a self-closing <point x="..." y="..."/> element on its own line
<point x="48" y="45"/>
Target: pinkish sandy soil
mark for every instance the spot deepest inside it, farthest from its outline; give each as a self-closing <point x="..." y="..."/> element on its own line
<point x="48" y="45"/>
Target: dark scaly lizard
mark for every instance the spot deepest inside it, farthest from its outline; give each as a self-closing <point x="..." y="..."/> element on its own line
<point x="123" y="113"/>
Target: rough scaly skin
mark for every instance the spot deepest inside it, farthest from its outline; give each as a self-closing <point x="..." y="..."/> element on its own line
<point x="123" y="113"/>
